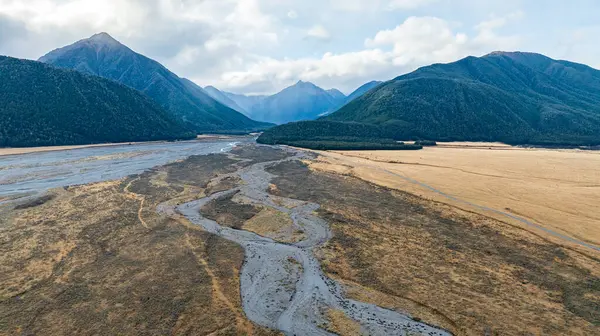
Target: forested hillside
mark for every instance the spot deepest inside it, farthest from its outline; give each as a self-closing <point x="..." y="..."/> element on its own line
<point x="103" y="56"/>
<point x="510" y="97"/>
<point x="333" y="135"/>
<point x="41" y="105"/>
<point x="517" y="98"/>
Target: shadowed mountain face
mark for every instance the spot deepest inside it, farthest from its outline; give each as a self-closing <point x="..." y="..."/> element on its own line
<point x="223" y="99"/>
<point x="246" y="103"/>
<point x="511" y="97"/>
<point x="103" y="56"/>
<point x="43" y="105"/>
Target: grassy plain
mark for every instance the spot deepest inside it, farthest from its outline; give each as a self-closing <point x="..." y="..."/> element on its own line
<point x="469" y="273"/>
<point x="555" y="189"/>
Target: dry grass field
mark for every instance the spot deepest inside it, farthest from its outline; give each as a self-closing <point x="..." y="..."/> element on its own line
<point x="469" y="273"/>
<point x="555" y="189"/>
<point x="98" y="259"/>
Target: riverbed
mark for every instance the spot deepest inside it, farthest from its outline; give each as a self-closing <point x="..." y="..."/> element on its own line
<point x="31" y="173"/>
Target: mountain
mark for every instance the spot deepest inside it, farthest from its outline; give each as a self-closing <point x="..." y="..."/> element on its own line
<point x="302" y="101"/>
<point x="246" y="103"/>
<point x="41" y="105"/>
<point x="513" y="97"/>
<point x="336" y="94"/>
<point x="362" y="90"/>
<point x="103" y="56"/>
<point x="223" y="98"/>
<point x="343" y="99"/>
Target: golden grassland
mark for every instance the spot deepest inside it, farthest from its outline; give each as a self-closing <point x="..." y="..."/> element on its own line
<point x="275" y="225"/>
<point x="469" y="273"/>
<point x="556" y="189"/>
<point x="340" y="324"/>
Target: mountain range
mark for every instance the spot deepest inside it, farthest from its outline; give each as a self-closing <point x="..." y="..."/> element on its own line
<point x="513" y="97"/>
<point x="44" y="106"/>
<point x="101" y="55"/>
<point x="301" y="101"/>
<point x="99" y="90"/>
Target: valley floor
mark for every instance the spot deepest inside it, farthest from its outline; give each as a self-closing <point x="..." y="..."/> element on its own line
<point x="25" y="150"/>
<point x="553" y="193"/>
<point x="100" y="259"/>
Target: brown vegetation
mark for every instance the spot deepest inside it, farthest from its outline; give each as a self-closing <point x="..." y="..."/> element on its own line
<point x="229" y="213"/>
<point x="341" y="324"/>
<point x="468" y="273"/>
<point x="555" y="189"/>
<point x="98" y="259"/>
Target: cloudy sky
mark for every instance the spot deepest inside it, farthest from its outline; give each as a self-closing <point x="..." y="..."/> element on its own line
<point x="261" y="46"/>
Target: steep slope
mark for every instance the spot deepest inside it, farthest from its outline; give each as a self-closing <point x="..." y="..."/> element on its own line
<point x="511" y="97"/>
<point x="302" y="101"/>
<point x="103" y="56"/>
<point x="223" y="98"/>
<point x="41" y="105"/>
<point x="343" y="100"/>
<point x="337" y="95"/>
<point x="246" y="103"/>
<point x="362" y="90"/>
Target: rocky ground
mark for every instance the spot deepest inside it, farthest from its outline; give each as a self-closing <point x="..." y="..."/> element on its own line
<point x="98" y="259"/>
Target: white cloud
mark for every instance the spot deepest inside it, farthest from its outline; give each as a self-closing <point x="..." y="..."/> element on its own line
<point x="578" y="43"/>
<point x="497" y="22"/>
<point x="420" y="40"/>
<point x="318" y="32"/>
<point x="268" y="74"/>
<point x="416" y="42"/>
<point x="264" y="45"/>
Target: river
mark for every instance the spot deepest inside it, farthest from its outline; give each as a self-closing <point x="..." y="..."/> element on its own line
<point x="26" y="174"/>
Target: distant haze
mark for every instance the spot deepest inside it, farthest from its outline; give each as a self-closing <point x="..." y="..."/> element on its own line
<point x="301" y="101"/>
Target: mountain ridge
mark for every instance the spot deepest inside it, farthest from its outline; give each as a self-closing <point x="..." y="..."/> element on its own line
<point x="300" y="101"/>
<point x="362" y="90"/>
<point x="512" y="97"/>
<point x="47" y="106"/>
<point x="104" y="56"/>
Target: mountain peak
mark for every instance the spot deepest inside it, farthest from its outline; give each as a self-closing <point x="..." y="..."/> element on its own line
<point x="336" y="94"/>
<point x="512" y="54"/>
<point x="103" y="38"/>
<point x="302" y="83"/>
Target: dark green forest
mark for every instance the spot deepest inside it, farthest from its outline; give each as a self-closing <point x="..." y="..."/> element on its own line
<point x="516" y="98"/>
<point x="46" y="106"/>
<point x="332" y="135"/>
